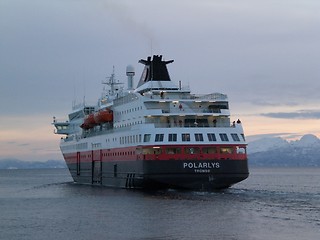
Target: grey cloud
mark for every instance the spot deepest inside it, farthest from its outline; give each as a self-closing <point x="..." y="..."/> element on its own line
<point x="23" y="144"/>
<point x="17" y="143"/>
<point x="302" y="114"/>
<point x="267" y="135"/>
<point x="261" y="102"/>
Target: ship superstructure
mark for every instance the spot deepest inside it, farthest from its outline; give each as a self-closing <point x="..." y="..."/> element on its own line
<point x="158" y="135"/>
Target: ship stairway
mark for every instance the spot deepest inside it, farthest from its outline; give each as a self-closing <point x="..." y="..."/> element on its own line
<point x="97" y="172"/>
<point x="130" y="180"/>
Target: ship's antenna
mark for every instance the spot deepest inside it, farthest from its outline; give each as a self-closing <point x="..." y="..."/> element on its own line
<point x="112" y="82"/>
<point x="74" y="95"/>
<point x="74" y="102"/>
<point x="84" y="85"/>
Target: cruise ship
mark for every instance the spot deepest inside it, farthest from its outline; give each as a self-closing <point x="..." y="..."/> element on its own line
<point x="157" y="135"/>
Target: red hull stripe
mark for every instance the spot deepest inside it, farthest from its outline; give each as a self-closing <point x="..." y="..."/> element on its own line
<point x="169" y="152"/>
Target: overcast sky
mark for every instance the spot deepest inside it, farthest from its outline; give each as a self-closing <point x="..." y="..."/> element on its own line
<point x="264" y="54"/>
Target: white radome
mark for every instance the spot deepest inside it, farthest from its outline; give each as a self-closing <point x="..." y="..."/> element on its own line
<point x="130" y="70"/>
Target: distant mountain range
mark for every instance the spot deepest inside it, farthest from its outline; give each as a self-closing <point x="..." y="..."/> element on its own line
<point x="19" y="164"/>
<point x="277" y="152"/>
<point x="265" y="152"/>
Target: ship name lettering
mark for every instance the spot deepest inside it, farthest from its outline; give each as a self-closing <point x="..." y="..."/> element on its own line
<point x="201" y="165"/>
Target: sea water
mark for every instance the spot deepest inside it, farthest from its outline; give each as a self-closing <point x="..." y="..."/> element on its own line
<point x="273" y="203"/>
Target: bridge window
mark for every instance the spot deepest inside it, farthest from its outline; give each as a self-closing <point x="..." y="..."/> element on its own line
<point x="211" y="137"/>
<point x="185" y="137"/>
<point x="198" y="137"/>
<point x="242" y="135"/>
<point x="172" y="137"/>
<point x="223" y="137"/>
<point x="146" y="138"/>
<point x="235" y="137"/>
<point x="159" y="137"/>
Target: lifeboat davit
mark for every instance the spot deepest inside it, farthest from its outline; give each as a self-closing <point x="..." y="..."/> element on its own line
<point x="89" y="122"/>
<point x="103" y="116"/>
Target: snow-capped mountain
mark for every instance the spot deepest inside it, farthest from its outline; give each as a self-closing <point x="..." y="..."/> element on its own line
<point x="264" y="144"/>
<point x="307" y="141"/>
<point x="279" y="152"/>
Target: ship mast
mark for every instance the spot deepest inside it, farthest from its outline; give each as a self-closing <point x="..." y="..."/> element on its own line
<point x="112" y="83"/>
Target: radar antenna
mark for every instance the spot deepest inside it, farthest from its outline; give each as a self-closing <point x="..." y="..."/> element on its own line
<point x="112" y="82"/>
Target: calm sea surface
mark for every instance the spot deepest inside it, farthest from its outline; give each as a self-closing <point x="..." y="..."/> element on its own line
<point x="271" y="204"/>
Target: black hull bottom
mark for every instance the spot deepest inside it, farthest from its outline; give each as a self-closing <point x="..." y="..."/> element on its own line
<point x="195" y="182"/>
<point x="193" y="175"/>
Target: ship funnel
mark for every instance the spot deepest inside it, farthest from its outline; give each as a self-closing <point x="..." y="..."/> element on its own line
<point x="130" y="73"/>
<point x="155" y="70"/>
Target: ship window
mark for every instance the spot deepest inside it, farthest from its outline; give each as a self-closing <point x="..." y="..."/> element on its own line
<point x="242" y="135"/>
<point x="173" y="150"/>
<point x="235" y="137"/>
<point x="159" y="137"/>
<point x="147" y="151"/>
<point x="146" y="138"/>
<point x="226" y="150"/>
<point x="223" y="137"/>
<point x="139" y="150"/>
<point x="151" y="151"/>
<point x="157" y="150"/>
<point x="241" y="150"/>
<point x="192" y="150"/>
<point x="190" y="122"/>
<point x="209" y="150"/>
<point x="172" y="137"/>
<point x="211" y="137"/>
<point x="198" y="137"/>
<point x="185" y="137"/>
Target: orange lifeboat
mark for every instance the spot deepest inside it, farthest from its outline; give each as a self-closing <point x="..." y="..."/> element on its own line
<point x="85" y="126"/>
<point x="89" y="122"/>
<point x="103" y="116"/>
